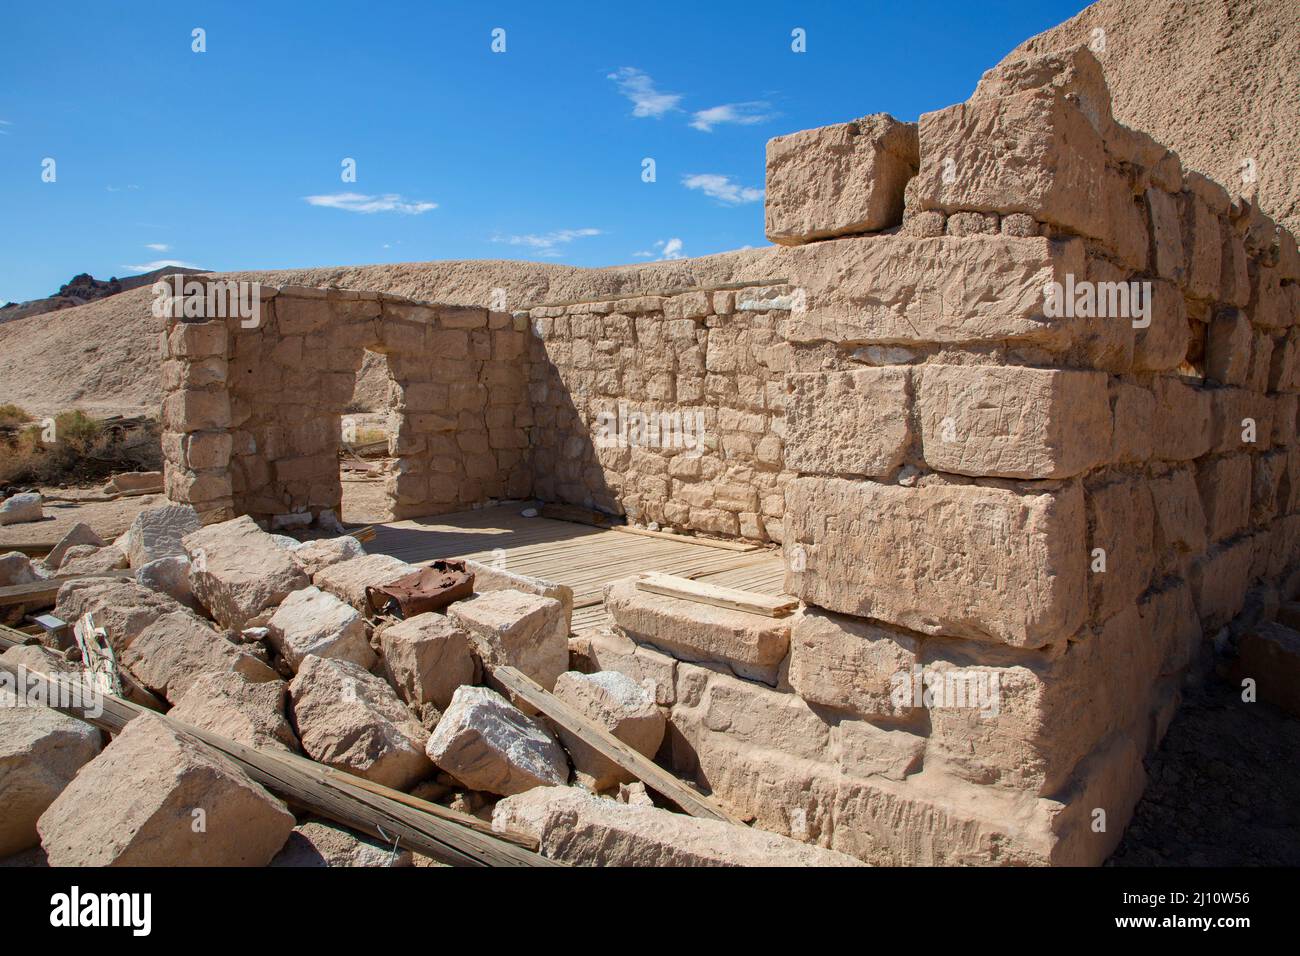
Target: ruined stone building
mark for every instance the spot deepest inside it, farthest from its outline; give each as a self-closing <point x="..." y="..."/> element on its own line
<point x="1019" y="407"/>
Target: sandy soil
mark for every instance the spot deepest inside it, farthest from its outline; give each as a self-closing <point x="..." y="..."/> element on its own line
<point x="108" y="519"/>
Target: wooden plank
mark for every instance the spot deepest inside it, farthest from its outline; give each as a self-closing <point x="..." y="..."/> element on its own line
<point x="645" y="770"/>
<point x="44" y="592"/>
<point x="369" y="808"/>
<point x="688" y="539"/>
<point x="701" y="592"/>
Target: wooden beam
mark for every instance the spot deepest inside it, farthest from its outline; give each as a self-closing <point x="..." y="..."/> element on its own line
<point x="44" y="592"/>
<point x="701" y="592"/>
<point x="688" y="539"/>
<point x="449" y="837"/>
<point x="644" y="769"/>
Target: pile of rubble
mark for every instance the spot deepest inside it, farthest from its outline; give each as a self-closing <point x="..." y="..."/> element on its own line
<point x="270" y="642"/>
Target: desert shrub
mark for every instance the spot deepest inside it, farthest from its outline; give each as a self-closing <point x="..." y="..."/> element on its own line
<point x="83" y="450"/>
<point x="11" y="414"/>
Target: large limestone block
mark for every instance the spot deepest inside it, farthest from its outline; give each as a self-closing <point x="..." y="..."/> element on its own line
<point x="583" y="830"/>
<point x="1181" y="421"/>
<point x="229" y="704"/>
<point x="237" y="570"/>
<point x="20" y="509"/>
<point x="1121" y="558"/>
<point x="1224" y="484"/>
<point x="1180" y="517"/>
<point x="1219" y="580"/>
<point x="839" y="180"/>
<point x="41" y="750"/>
<point x="489" y="578"/>
<point x="751" y="644"/>
<point x="848" y="663"/>
<point x="621" y="706"/>
<point x="848" y="423"/>
<point x="87" y="559"/>
<point x="170" y="576"/>
<point x="426" y="658"/>
<point x="524" y="631"/>
<point x="123" y="608"/>
<point x="314" y="556"/>
<point x="1032" y="143"/>
<point x="348" y="580"/>
<point x="311" y="622"/>
<point x="176" y="649"/>
<point x="1013" y="422"/>
<point x="79" y="533"/>
<point x="984" y="563"/>
<point x="156" y="798"/>
<point x="353" y="721"/>
<point x="900" y="290"/>
<point x="158" y="533"/>
<point x="489" y="745"/>
<point x="318" y="843"/>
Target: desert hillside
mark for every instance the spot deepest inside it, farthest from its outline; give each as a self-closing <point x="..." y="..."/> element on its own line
<point x="1217" y="81"/>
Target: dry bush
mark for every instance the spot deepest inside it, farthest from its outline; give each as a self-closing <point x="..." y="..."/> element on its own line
<point x="83" y="450"/>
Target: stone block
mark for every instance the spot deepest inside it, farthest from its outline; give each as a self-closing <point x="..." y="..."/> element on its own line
<point x="524" y="631"/>
<point x="426" y="658"/>
<point x="312" y="622"/>
<point x="849" y="664"/>
<point x="617" y="704"/>
<point x="853" y="423"/>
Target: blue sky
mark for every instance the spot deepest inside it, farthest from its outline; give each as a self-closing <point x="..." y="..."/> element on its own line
<point x="231" y="158"/>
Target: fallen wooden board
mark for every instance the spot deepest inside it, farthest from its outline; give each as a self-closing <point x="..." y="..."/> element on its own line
<point x="44" y="592"/>
<point x="443" y="834"/>
<point x="701" y="592"/>
<point x="687" y="539"/>
<point x="645" y="770"/>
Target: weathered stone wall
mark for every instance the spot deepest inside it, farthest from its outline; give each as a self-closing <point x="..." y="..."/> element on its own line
<point x="1018" y="524"/>
<point x="669" y="409"/>
<point x="252" y="406"/>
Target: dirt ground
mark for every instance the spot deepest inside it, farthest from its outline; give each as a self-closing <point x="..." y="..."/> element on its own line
<point x="1223" y="789"/>
<point x="108" y="519"/>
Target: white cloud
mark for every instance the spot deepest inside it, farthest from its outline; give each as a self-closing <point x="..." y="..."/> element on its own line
<point x="664" y="249"/>
<point x="5" y="132"/>
<point x="359" y="202"/>
<point x="157" y="246"/>
<point x="158" y="264"/>
<point x="122" y="189"/>
<point x="546" y="243"/>
<point x="639" y="87"/>
<point x="742" y="114"/>
<point x="722" y="188"/>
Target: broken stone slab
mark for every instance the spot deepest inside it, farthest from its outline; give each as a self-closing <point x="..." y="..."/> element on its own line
<point x="123" y="608"/>
<point x="313" y="556"/>
<point x="88" y="559"/>
<point x="488" y="744"/>
<point x="16" y="568"/>
<point x="237" y="570"/>
<point x="426" y="658"/>
<point x="353" y="721"/>
<point x="348" y="580"/>
<point x="79" y="533"/>
<point x="322" y="843"/>
<point x="174" y="650"/>
<point x="488" y="578"/>
<point x="229" y="704"/>
<point x="157" y="798"/>
<point x="609" y="650"/>
<point x="19" y="509"/>
<point x="170" y="576"/>
<point x="1270" y="654"/>
<point x="41" y="750"/>
<point x="524" y="631"/>
<point x="839" y="180"/>
<point x="752" y="645"/>
<point x="158" y="533"/>
<point x="135" y="482"/>
<point x="311" y="622"/>
<point x="584" y="830"/>
<point x="621" y="706"/>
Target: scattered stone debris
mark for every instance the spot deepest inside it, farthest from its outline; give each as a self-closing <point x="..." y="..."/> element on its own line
<point x="623" y="707"/>
<point x="247" y="711"/>
<point x="157" y="798"/>
<point x="488" y="744"/>
<point x="426" y="658"/>
<point x="311" y="622"/>
<point x="158" y="533"/>
<point x="322" y="843"/>
<point x="19" y="509"/>
<point x="237" y="570"/>
<point x="525" y="631"/>
<point x="79" y="533"/>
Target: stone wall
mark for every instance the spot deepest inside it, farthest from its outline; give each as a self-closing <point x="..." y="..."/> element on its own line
<point x="252" y="403"/>
<point x="1019" y="523"/>
<point x="669" y="409"/>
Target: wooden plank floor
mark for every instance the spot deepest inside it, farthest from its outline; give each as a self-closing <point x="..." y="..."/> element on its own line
<point x="583" y="557"/>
